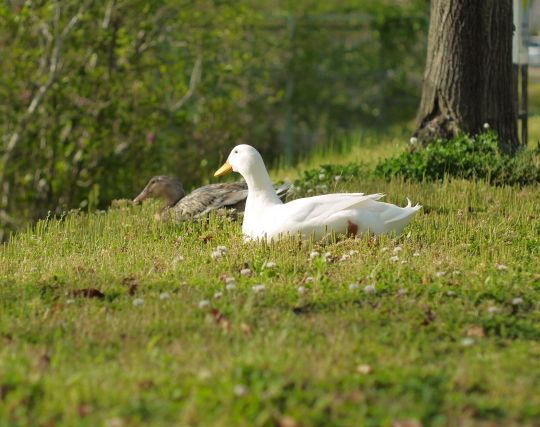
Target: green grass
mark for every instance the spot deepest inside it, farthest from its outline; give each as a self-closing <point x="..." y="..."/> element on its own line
<point x="451" y="336"/>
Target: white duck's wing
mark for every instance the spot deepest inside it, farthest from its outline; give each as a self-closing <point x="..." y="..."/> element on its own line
<point x="324" y="206"/>
<point x="314" y="214"/>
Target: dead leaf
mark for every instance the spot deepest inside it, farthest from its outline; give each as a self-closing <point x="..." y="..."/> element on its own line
<point x="132" y="284"/>
<point x="4" y="390"/>
<point x="407" y="423"/>
<point x="84" y="410"/>
<point x="87" y="293"/>
<point x="429" y="316"/>
<point x="245" y="328"/>
<point x="206" y="238"/>
<point x="146" y="385"/>
<point x="288" y="421"/>
<point x="476" y="331"/>
<point x="44" y="361"/>
<point x="220" y="319"/>
<point x="356" y="396"/>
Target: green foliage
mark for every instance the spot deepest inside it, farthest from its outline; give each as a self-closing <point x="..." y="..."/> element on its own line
<point x="450" y="337"/>
<point x="327" y="177"/>
<point x="468" y="157"/>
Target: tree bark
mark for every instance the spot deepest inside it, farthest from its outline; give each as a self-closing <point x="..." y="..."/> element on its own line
<point x="468" y="78"/>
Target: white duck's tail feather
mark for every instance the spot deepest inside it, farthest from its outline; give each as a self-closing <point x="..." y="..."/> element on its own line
<point x="402" y="216"/>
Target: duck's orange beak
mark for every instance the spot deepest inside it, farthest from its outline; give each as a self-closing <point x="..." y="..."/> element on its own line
<point x="224" y="170"/>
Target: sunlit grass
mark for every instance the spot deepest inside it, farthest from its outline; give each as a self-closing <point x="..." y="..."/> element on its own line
<point x="450" y="336"/>
<point x="361" y="147"/>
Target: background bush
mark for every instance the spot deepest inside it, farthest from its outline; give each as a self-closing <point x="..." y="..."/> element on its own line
<point x="468" y="157"/>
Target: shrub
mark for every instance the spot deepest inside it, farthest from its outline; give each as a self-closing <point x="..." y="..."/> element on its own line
<point x="468" y="157"/>
<point x="321" y="179"/>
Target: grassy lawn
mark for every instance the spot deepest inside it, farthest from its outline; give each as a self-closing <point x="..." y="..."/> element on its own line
<point x="438" y="327"/>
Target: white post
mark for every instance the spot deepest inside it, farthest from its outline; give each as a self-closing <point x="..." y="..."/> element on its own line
<point x="520" y="58"/>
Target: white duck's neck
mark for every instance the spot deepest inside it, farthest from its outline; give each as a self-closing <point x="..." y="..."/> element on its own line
<point x="260" y="189"/>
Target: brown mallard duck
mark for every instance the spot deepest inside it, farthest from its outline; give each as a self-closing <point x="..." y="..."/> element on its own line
<point x="229" y="196"/>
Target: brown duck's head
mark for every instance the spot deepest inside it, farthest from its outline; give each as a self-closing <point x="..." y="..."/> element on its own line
<point x="164" y="187"/>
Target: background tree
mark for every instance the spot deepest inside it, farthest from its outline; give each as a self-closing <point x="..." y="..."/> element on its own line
<point x="468" y="75"/>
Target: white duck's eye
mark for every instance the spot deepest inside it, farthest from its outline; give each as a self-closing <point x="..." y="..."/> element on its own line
<point x="235" y="151"/>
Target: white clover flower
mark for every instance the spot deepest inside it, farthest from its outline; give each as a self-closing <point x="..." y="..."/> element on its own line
<point x="314" y="254"/>
<point x="245" y="272"/>
<point x="353" y="286"/>
<point x="397" y="249"/>
<point x="394" y="258"/>
<point x="230" y="286"/>
<point x="493" y="309"/>
<point x="364" y="369"/>
<point x="385" y="249"/>
<point x="337" y="178"/>
<point x="204" y="374"/>
<point x="416" y="254"/>
<point x="218" y="295"/>
<point x="451" y="294"/>
<point x="70" y="301"/>
<point x="413" y="140"/>
<point x="309" y="279"/>
<point x="467" y="341"/>
<point x="517" y="301"/>
<point x="404" y="262"/>
<point x="440" y="273"/>
<point x="402" y="291"/>
<point x="370" y="289"/>
<point x="270" y="264"/>
<point x="178" y="259"/>
<point x="240" y="390"/>
<point x="138" y="301"/>
<point x="322" y="176"/>
<point x="344" y="257"/>
<point x="230" y="280"/>
<point x="204" y="303"/>
<point x="258" y="288"/>
<point x="301" y="289"/>
<point x="309" y="191"/>
<point x="164" y="296"/>
<point x="353" y="252"/>
<point x="220" y="252"/>
<point x="501" y="267"/>
<point x="486" y="126"/>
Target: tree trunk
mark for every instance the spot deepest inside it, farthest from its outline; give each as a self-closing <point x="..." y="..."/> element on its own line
<point x="468" y="79"/>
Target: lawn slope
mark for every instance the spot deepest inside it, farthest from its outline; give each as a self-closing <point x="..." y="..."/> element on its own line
<point x="114" y="319"/>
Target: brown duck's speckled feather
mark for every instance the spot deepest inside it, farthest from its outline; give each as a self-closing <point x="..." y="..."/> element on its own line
<point x="228" y="196"/>
<point x="211" y="197"/>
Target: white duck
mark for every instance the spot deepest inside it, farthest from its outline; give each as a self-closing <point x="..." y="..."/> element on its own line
<point x="267" y="217"/>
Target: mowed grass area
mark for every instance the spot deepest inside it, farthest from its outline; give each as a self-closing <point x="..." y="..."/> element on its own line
<point x="437" y="327"/>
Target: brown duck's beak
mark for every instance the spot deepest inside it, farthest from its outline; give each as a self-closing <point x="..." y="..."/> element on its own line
<point x="224" y="170"/>
<point x="140" y="197"/>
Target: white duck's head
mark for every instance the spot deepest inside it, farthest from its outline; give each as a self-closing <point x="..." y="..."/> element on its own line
<point x="243" y="159"/>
